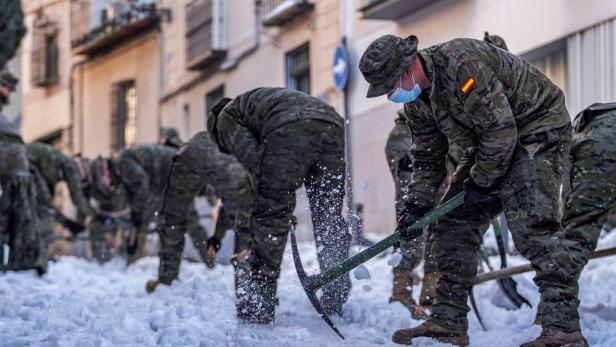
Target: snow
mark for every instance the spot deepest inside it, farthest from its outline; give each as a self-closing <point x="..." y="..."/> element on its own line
<point x="81" y="303"/>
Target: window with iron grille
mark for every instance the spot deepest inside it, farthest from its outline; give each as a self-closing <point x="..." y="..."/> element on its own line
<point x="298" y="68"/>
<point x="212" y="98"/>
<point x="45" y="52"/>
<point x="123" y="115"/>
<point x="199" y="28"/>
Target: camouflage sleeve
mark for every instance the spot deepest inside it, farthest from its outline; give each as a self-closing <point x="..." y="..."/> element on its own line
<point x="398" y="154"/>
<point x="237" y="138"/>
<point x="136" y="181"/>
<point x="198" y="163"/>
<point x="428" y="152"/>
<point x="487" y="107"/>
<point x="71" y="177"/>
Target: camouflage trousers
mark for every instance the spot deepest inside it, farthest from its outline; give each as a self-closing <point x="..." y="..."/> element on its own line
<point x="591" y="200"/>
<point x="172" y="244"/>
<point x="308" y="152"/>
<point x="19" y="225"/>
<point x="529" y="194"/>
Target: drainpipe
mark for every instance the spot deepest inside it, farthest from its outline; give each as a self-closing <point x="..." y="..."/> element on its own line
<point x="161" y="76"/>
<point x="71" y="87"/>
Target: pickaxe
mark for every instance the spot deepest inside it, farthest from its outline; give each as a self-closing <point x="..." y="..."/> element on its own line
<point x="312" y="283"/>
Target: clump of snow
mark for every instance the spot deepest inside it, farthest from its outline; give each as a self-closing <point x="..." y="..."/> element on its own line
<point x="395" y="259"/>
<point x="81" y="303"/>
<point x="361" y="273"/>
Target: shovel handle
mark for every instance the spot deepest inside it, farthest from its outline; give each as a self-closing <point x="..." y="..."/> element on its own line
<point x="317" y="281"/>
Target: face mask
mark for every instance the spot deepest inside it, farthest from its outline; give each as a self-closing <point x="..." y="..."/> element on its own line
<point x="402" y="96"/>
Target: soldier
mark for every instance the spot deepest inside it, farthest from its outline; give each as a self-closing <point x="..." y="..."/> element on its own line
<point x="200" y="164"/>
<point x="284" y="138"/>
<point x="50" y="167"/>
<point x="144" y="171"/>
<point x="591" y="200"/>
<point x="398" y="153"/>
<point x="169" y="137"/>
<point x="514" y="119"/>
<point x="18" y="221"/>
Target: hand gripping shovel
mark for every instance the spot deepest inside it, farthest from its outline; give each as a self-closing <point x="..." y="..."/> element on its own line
<point x="312" y="283"/>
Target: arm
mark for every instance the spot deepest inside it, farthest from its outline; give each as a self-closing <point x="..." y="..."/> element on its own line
<point x="491" y="118"/>
<point x="71" y="177"/>
<point x="428" y="153"/>
<point x="137" y="183"/>
<point x="238" y="139"/>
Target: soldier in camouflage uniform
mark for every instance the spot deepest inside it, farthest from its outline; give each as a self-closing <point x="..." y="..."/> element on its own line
<point x="284" y="138"/>
<point x="19" y="225"/>
<point x="514" y="119"/>
<point x="144" y="171"/>
<point x="591" y="200"/>
<point x="169" y="137"/>
<point x="50" y="167"/>
<point x="398" y="153"/>
<point x="199" y="164"/>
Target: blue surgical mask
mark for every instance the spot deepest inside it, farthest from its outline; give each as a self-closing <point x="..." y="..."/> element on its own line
<point x="402" y="96"/>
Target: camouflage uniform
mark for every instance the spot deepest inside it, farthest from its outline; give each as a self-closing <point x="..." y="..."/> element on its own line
<point x="514" y="118"/>
<point x="592" y="197"/>
<point x="50" y="166"/>
<point x="285" y="139"/>
<point x="200" y="163"/>
<point x="13" y="29"/>
<point x="170" y="137"/>
<point x="19" y="226"/>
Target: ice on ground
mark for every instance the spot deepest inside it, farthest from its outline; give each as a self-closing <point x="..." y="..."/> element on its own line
<point x="361" y="273"/>
<point x="81" y="303"/>
<point x="395" y="259"/>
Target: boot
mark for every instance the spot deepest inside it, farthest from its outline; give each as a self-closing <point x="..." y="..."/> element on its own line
<point x="257" y="299"/>
<point x="428" y="288"/>
<point x="551" y="337"/>
<point x="403" y="293"/>
<point x="436" y="332"/>
<point x="150" y="287"/>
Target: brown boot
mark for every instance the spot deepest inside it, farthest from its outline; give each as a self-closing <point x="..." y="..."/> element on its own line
<point x="427" y="329"/>
<point x="555" y="338"/>
<point x="150" y="287"/>
<point x="403" y="289"/>
<point x="428" y="288"/>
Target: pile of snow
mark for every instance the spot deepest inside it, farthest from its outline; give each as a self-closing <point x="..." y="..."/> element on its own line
<point x="81" y="303"/>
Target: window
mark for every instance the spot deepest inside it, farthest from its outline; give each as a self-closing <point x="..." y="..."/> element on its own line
<point x="205" y="34"/>
<point x="212" y="98"/>
<point x="123" y="115"/>
<point x="45" y="53"/>
<point x="186" y="121"/>
<point x="298" y="69"/>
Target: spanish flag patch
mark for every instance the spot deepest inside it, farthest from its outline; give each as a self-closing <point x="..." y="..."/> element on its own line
<point x="466" y="86"/>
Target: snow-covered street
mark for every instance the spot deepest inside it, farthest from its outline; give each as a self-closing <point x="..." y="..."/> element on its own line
<point x="80" y="303"/>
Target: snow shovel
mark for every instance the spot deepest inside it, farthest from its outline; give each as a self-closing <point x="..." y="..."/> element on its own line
<point x="312" y="283"/>
<point x="507" y="285"/>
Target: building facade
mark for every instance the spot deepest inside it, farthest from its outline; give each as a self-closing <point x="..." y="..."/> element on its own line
<point x="99" y="75"/>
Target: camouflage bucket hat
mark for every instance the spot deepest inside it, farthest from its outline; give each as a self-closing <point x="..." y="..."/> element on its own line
<point x="495" y="40"/>
<point x="8" y="80"/>
<point x="385" y="60"/>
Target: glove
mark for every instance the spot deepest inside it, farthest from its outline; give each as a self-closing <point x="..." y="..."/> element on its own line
<point x="409" y="215"/>
<point x="213" y="242"/>
<point x="479" y="196"/>
<point x="74" y="227"/>
<point x="135" y="219"/>
<point x="105" y="218"/>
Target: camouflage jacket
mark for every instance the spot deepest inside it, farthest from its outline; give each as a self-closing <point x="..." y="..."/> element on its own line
<point x="262" y="110"/>
<point x="483" y="97"/>
<point x="198" y="165"/>
<point x="398" y="154"/>
<point x="53" y="166"/>
<point x="144" y="171"/>
<point x="8" y="131"/>
<point x="12" y="29"/>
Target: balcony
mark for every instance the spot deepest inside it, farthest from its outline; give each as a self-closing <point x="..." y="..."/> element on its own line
<point x="280" y="12"/>
<point x="97" y="25"/>
<point x="392" y="9"/>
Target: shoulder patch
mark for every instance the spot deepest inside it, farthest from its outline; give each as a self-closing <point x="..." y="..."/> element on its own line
<point x="466" y="86"/>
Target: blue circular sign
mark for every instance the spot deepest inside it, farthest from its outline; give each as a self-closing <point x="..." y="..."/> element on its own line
<point x="340" y="67"/>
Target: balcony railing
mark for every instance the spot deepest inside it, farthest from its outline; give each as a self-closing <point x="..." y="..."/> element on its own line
<point x="279" y="12"/>
<point x="96" y="25"/>
<point x="392" y="9"/>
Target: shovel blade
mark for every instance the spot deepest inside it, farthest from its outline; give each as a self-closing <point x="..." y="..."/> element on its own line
<point x="509" y="287"/>
<point x="311" y="290"/>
